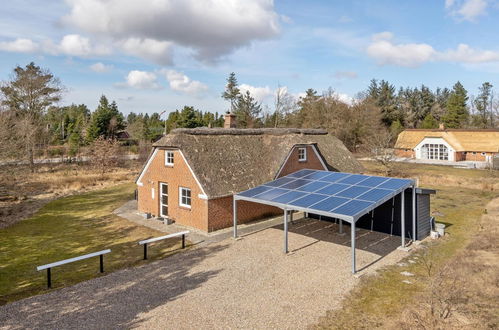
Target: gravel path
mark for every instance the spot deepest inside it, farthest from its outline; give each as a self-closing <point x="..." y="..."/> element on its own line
<point x="247" y="283"/>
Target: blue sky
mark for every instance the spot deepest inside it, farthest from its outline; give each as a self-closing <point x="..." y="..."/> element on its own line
<point x="153" y="55"/>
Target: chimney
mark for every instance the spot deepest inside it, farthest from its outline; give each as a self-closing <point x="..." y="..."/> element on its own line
<point x="441" y="126"/>
<point x="230" y="120"/>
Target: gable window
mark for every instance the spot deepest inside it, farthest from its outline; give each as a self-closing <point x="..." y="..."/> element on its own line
<point x="302" y="154"/>
<point x="184" y="197"/>
<point x="169" y="158"/>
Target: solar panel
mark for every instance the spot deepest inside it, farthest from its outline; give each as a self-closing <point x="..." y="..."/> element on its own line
<point x="269" y="195"/>
<point x="308" y="200"/>
<point x="314" y="186"/>
<point x="279" y="182"/>
<point x="334" y="176"/>
<point x="343" y="195"/>
<point x="330" y="203"/>
<point x="296" y="184"/>
<point x="353" y="191"/>
<point x="288" y="197"/>
<point x="255" y="191"/>
<point x="333" y="188"/>
<point x="394" y="184"/>
<point x="353" y="207"/>
<point x="300" y="174"/>
<point x="372" y="181"/>
<point x="353" y="179"/>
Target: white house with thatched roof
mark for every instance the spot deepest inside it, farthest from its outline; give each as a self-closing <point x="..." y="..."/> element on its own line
<point x="448" y="144"/>
<point x="191" y="174"/>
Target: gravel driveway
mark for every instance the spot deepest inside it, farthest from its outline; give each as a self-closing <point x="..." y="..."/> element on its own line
<point x="247" y="283"/>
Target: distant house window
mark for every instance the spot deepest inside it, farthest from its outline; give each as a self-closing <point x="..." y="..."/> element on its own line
<point x="184" y="197"/>
<point x="169" y="158"/>
<point x="302" y="154"/>
<point x="483" y="153"/>
<point x="474" y="153"/>
<point x="435" y="151"/>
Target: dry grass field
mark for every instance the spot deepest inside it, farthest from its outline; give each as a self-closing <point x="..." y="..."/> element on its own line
<point x="22" y="193"/>
<point x="456" y="277"/>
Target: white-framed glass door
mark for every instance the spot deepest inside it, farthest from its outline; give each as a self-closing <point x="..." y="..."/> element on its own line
<point x="163" y="199"/>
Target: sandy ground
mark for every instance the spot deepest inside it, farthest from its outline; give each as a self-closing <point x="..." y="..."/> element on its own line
<point x="246" y="283"/>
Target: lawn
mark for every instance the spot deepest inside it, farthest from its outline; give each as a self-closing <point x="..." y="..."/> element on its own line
<point x="68" y="227"/>
<point x="381" y="300"/>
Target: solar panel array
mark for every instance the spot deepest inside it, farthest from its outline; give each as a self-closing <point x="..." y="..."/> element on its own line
<point x="335" y="193"/>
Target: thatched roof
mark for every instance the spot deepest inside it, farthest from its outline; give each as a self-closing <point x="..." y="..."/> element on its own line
<point x="231" y="160"/>
<point x="460" y="139"/>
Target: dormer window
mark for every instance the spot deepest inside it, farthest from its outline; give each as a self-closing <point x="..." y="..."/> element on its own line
<point x="302" y="154"/>
<point x="169" y="158"/>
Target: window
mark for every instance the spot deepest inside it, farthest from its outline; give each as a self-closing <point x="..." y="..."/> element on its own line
<point x="435" y="151"/>
<point x="169" y="158"/>
<point x="163" y="199"/>
<point x="483" y="153"/>
<point x="184" y="197"/>
<point x="302" y="154"/>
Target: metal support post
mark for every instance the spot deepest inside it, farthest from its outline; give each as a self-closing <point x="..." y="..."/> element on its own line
<point x="101" y="263"/>
<point x="285" y="231"/>
<point x="183" y="241"/>
<point x="352" y="233"/>
<point x="414" y="213"/>
<point x="145" y="251"/>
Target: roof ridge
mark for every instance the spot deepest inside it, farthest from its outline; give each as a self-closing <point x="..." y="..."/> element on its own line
<point x="248" y="131"/>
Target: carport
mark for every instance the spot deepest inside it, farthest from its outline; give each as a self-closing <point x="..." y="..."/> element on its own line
<point x="343" y="196"/>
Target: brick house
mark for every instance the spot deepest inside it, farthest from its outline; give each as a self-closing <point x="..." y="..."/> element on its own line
<point x="448" y="144"/>
<point x="191" y="174"/>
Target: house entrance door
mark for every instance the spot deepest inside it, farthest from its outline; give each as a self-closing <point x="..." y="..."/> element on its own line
<point x="163" y="199"/>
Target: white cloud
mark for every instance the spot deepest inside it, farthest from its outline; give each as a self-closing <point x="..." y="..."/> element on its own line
<point x="345" y="98"/>
<point x="258" y="93"/>
<point x="19" y="45"/>
<point x="386" y="51"/>
<point x="181" y="83"/>
<point x="156" y="51"/>
<point x="211" y="28"/>
<point x="468" y="10"/>
<point x="140" y="80"/>
<point x="100" y="67"/>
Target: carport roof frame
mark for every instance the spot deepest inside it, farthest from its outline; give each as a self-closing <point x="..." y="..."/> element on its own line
<point x="355" y="180"/>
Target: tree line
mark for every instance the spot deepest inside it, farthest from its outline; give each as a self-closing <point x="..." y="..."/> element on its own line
<point x="31" y="120"/>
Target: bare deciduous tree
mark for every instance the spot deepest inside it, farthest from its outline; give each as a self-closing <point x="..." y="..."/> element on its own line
<point x="104" y="154"/>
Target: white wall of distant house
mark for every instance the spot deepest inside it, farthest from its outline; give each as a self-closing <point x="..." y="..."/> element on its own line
<point x="434" y="140"/>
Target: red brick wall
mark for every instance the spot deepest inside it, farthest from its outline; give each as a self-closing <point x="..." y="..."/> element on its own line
<point x="293" y="164"/>
<point x="176" y="176"/>
<point x="477" y="156"/>
<point x="220" y="212"/>
<point x="405" y="153"/>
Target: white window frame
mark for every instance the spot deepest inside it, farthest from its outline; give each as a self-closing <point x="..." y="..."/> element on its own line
<point x="161" y="194"/>
<point x="302" y="154"/>
<point x="180" y="195"/>
<point x="169" y="153"/>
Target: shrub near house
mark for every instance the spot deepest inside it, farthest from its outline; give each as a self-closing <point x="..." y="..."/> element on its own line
<point x="191" y="174"/>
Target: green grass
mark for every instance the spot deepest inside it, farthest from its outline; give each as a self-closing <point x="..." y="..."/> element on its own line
<point x="379" y="299"/>
<point x="66" y="228"/>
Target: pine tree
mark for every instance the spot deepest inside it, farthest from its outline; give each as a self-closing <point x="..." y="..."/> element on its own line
<point x="456" y="115"/>
<point x="231" y="92"/>
<point x="483" y="104"/>
<point x="247" y="111"/>
<point x="106" y="120"/>
<point x="429" y="122"/>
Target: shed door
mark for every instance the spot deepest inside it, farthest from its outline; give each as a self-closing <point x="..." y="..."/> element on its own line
<point x="163" y="199"/>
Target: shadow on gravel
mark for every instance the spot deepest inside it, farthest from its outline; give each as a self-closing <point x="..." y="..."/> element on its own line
<point x="115" y="300"/>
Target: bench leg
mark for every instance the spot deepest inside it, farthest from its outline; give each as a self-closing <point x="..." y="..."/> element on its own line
<point x="183" y="241"/>
<point x="101" y="257"/>
<point x="49" y="279"/>
<point x="145" y="251"/>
